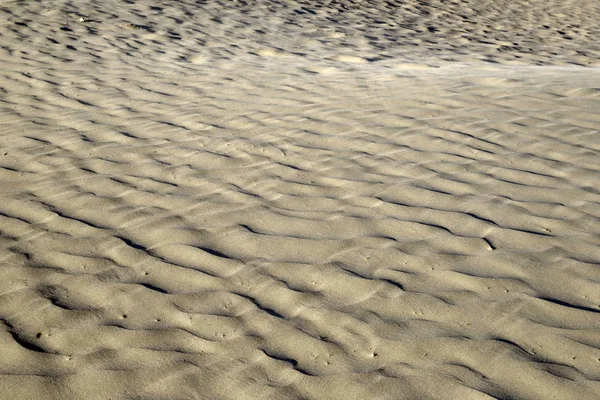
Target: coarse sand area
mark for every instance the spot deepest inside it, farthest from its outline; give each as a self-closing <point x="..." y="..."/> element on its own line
<point x="286" y="199"/>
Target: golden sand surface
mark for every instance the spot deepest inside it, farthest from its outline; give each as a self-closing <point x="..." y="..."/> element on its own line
<point x="300" y="199"/>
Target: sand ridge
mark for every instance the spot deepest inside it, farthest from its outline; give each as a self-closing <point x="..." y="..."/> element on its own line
<point x="229" y="200"/>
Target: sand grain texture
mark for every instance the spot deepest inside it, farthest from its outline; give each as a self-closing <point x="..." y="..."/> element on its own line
<point x="300" y="200"/>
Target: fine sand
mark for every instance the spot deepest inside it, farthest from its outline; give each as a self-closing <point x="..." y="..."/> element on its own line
<point x="300" y="199"/>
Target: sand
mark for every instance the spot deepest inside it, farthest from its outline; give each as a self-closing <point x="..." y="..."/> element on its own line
<point x="300" y="199"/>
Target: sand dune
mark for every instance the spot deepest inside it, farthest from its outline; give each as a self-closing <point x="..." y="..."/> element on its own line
<point x="300" y="200"/>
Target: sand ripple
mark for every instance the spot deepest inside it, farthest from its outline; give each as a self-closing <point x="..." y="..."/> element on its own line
<point x="189" y="211"/>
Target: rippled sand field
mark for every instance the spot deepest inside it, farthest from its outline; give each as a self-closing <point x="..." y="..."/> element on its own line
<point x="300" y="199"/>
